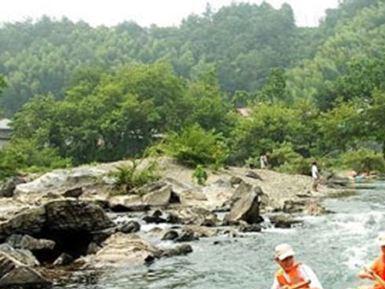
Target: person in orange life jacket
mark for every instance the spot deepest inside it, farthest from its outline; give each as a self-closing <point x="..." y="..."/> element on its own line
<point x="378" y="266"/>
<point x="292" y="273"/>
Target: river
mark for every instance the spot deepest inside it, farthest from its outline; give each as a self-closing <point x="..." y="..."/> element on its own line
<point x="334" y="245"/>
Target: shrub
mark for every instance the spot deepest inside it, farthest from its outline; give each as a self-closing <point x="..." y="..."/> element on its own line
<point x="194" y="146"/>
<point x="128" y="177"/>
<point x="200" y="175"/>
<point x="286" y="160"/>
<point x="25" y="155"/>
<point x="363" y="160"/>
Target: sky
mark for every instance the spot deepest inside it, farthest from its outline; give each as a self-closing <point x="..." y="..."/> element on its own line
<point x="144" y="12"/>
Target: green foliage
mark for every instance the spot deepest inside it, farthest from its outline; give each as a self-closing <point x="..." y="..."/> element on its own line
<point x="132" y="176"/>
<point x="285" y="159"/>
<point x="363" y="160"/>
<point x="275" y="87"/>
<point x="194" y="146"/>
<point x="200" y="175"/>
<point x="3" y="84"/>
<point x="342" y="127"/>
<point x="40" y="57"/>
<point x="269" y="125"/>
<point x="27" y="156"/>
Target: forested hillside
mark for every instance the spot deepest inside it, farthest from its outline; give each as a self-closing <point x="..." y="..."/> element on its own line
<point x="242" y="42"/>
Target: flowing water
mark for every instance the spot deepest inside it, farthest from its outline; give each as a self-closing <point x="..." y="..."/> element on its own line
<point x="334" y="245"/>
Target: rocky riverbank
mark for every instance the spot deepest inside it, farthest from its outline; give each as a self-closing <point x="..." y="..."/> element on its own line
<point x="74" y="218"/>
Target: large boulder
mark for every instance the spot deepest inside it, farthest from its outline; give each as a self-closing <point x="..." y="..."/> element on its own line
<point x="127" y="203"/>
<point x="57" y="219"/>
<point x="93" y="180"/>
<point x="123" y="250"/>
<point x="218" y="193"/>
<point x="161" y="196"/>
<point x="16" y="271"/>
<point x="194" y="216"/>
<point x="21" y="255"/>
<point x="30" y="222"/>
<point x="246" y="208"/>
<point x="72" y="215"/>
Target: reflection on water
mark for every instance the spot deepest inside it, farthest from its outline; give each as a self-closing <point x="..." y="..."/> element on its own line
<point x="335" y="245"/>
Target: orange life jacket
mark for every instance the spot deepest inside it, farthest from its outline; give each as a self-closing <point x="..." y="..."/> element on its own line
<point x="291" y="277"/>
<point x="379" y="268"/>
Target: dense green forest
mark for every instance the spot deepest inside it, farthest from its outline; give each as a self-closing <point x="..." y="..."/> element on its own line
<point x="79" y="94"/>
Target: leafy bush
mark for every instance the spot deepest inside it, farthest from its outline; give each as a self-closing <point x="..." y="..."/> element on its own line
<point x="285" y="159"/>
<point x="128" y="177"/>
<point x="200" y="175"/>
<point x="25" y="155"/>
<point x="194" y="146"/>
<point x="363" y="160"/>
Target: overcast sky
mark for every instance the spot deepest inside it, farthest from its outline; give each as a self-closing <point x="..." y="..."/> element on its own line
<point x="144" y="12"/>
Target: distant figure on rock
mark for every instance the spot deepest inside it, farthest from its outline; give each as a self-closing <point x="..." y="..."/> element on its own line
<point x="293" y="275"/>
<point x="263" y="161"/>
<point x="315" y="176"/>
<point x="376" y="271"/>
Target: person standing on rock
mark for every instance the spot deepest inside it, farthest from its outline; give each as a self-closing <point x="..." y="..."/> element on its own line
<point x="293" y="275"/>
<point x="376" y="271"/>
<point x="315" y="176"/>
<point x="263" y="161"/>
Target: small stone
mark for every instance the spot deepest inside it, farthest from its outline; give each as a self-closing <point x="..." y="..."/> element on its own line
<point x="170" y="235"/>
<point x="130" y="227"/>
<point x="63" y="260"/>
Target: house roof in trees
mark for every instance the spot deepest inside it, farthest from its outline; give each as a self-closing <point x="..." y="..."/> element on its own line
<point x="4" y="124"/>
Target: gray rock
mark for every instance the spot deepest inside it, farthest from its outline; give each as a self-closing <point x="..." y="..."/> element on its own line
<point x="63" y="260"/>
<point x="28" y="222"/>
<point x="177" y="251"/>
<point x="160" y="197"/>
<point x="16" y="270"/>
<point x="129" y="227"/>
<point x="71" y="215"/>
<point x="187" y="235"/>
<point x="24" y="277"/>
<point x="283" y="221"/>
<point x="29" y="243"/>
<point x="294" y="206"/>
<point x="253" y="175"/>
<point x="249" y="228"/>
<point x="21" y="255"/>
<point x="7" y="188"/>
<point x="170" y="235"/>
<point x="246" y="209"/>
<point x="235" y="180"/>
<point x="93" y="248"/>
<point x="73" y="193"/>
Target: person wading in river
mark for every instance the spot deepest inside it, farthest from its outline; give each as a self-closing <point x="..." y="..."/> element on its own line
<point x="293" y="275"/>
<point x="376" y="271"/>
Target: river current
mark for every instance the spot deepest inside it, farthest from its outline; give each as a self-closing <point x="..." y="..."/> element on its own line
<point x="336" y="246"/>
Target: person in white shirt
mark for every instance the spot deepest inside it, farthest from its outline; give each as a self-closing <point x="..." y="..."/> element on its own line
<point x="315" y="176"/>
<point x="292" y="274"/>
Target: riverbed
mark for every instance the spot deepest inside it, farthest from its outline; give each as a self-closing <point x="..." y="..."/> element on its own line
<point x="334" y="245"/>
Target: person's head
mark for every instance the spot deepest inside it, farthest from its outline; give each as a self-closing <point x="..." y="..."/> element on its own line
<point x="381" y="242"/>
<point x="284" y="255"/>
<point x="314" y="163"/>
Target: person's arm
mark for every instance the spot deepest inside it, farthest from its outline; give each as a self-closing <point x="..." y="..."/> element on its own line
<point x="367" y="274"/>
<point x="275" y="284"/>
<point x="312" y="277"/>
